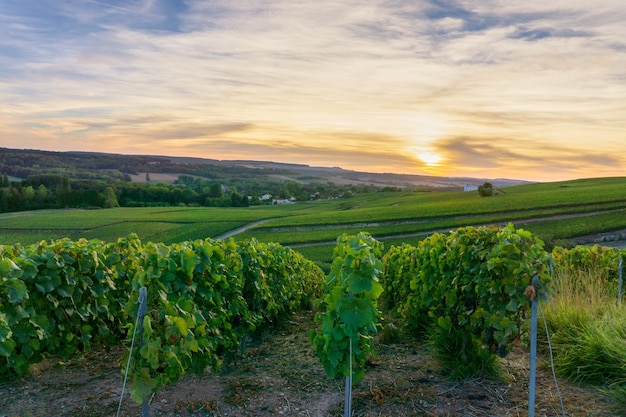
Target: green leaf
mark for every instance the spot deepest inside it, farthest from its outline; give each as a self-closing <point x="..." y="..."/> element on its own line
<point x="16" y="290"/>
<point x="189" y="261"/>
<point x="6" y="347"/>
<point x="334" y="356"/>
<point x="192" y="345"/>
<point x="444" y="322"/>
<point x="337" y="333"/>
<point x="355" y="312"/>
<point x="45" y="284"/>
<point x="377" y="289"/>
<point x="175" y="366"/>
<point x="179" y="324"/>
<point x="142" y="385"/>
<point x="513" y="305"/>
<point x="7" y="266"/>
<point x="150" y="353"/>
<point x="6" y="344"/>
<point x="358" y="283"/>
<point x="43" y="322"/>
<point x="147" y="327"/>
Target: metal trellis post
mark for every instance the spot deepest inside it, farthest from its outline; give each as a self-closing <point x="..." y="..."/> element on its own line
<point x="348" y="398"/>
<point x="143" y="298"/>
<point x="533" y="347"/>
<point x="620" y="280"/>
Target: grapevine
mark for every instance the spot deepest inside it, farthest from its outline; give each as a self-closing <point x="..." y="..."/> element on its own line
<point x="61" y="297"/>
<point x="471" y="279"/>
<point x="596" y="257"/>
<point x="349" y="315"/>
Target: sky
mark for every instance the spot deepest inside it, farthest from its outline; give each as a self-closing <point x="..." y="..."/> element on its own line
<point x="532" y="90"/>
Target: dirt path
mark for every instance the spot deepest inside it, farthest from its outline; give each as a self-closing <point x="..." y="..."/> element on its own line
<point x="279" y="375"/>
<point x="241" y="229"/>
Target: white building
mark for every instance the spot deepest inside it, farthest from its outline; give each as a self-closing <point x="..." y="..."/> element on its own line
<point x="470" y="187"/>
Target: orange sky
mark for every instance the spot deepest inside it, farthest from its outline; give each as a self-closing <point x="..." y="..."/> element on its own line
<point x="529" y="90"/>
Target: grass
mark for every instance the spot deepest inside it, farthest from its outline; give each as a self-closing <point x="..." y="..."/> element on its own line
<point x="171" y="224"/>
<point x="618" y="393"/>
<point x="388" y="206"/>
<point x="588" y="331"/>
<point x="321" y="254"/>
<point x="579" y="226"/>
<point x="548" y="229"/>
<point x="461" y="354"/>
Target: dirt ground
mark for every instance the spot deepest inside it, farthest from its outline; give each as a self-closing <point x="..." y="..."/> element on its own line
<point x="279" y="375"/>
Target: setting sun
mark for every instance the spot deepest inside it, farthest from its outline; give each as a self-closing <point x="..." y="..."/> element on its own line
<point x="429" y="158"/>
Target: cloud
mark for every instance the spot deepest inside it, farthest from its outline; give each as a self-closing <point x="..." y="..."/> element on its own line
<point x="327" y="79"/>
<point x="486" y="156"/>
<point x="356" y="153"/>
<point x="542" y="33"/>
<point x="183" y="131"/>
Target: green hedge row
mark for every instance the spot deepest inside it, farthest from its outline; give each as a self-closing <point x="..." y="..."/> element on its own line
<point x="203" y="296"/>
<point x="472" y="279"/>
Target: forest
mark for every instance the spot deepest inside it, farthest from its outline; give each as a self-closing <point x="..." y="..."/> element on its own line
<point x="34" y="180"/>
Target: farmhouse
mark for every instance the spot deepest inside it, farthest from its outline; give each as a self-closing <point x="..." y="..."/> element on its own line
<point x="470" y="187"/>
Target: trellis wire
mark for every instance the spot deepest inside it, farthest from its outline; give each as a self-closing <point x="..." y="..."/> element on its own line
<point x="535" y="308"/>
<point x="556" y="384"/>
<point x="141" y="311"/>
<point x="533" y="356"/>
<point x="143" y="297"/>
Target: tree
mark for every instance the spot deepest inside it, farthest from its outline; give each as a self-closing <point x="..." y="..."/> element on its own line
<point x="63" y="185"/>
<point x="216" y="190"/>
<point x="5" y="199"/>
<point x="295" y="189"/>
<point x="189" y="196"/>
<point x="110" y="198"/>
<point x="485" y="190"/>
<point x="237" y="200"/>
<point x="90" y="198"/>
<point x="28" y="196"/>
<point x="41" y="195"/>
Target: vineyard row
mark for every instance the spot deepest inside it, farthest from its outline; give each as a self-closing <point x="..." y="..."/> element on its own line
<point x="205" y="296"/>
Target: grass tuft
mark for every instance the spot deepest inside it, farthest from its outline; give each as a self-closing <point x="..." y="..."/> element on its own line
<point x="617" y="392"/>
<point x="588" y="331"/>
<point x="461" y="354"/>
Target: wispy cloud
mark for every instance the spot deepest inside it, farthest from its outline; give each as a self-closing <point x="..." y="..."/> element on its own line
<point x="360" y="85"/>
<point x="490" y="156"/>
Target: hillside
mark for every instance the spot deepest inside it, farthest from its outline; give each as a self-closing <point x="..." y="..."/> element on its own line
<point x="20" y="163"/>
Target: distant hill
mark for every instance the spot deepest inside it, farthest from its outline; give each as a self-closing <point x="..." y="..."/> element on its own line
<point x="20" y="163"/>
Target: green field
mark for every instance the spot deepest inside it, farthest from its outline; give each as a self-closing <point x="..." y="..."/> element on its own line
<point x="554" y="211"/>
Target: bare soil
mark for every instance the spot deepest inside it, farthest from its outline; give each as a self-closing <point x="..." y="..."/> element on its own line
<point x="279" y="375"/>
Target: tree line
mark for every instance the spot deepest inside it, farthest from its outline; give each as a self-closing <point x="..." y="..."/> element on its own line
<point x="53" y="191"/>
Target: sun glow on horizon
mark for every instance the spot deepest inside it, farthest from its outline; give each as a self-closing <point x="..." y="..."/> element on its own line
<point x="431" y="159"/>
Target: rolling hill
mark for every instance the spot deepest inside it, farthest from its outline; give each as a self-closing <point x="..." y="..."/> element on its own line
<point x="20" y="163"/>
